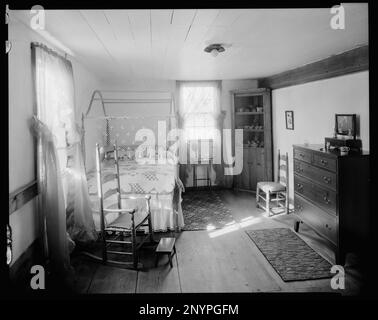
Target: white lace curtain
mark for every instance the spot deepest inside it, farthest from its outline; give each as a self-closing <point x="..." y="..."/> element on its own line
<point x="199" y="109"/>
<point x="65" y="206"/>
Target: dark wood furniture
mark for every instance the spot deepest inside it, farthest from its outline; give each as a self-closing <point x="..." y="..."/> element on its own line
<point x="251" y="112"/>
<point x="166" y="246"/>
<point x="332" y="196"/>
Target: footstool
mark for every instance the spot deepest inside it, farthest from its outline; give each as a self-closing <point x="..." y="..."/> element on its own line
<point x="166" y="246"/>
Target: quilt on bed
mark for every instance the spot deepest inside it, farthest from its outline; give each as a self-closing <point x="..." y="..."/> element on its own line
<point x="140" y="178"/>
<point x="159" y="181"/>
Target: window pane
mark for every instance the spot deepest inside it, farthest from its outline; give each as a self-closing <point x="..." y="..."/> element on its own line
<point x="198" y="99"/>
<point x="199" y="110"/>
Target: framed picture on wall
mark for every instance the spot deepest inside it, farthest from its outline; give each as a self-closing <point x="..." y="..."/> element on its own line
<point x="289" y="115"/>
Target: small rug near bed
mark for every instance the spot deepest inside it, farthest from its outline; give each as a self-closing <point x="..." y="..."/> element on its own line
<point x="289" y="255"/>
<point x="204" y="210"/>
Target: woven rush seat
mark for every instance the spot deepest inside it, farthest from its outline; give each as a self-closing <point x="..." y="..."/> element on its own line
<point x="123" y="221"/>
<point x="270" y="186"/>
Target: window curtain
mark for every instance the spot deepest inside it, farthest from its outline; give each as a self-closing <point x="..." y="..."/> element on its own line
<point x="64" y="201"/>
<point x="201" y="118"/>
<point x="52" y="211"/>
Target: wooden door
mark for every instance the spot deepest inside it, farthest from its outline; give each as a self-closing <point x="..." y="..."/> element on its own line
<point x="253" y="168"/>
<point x="267" y="156"/>
<point x="260" y="165"/>
<point x="245" y="184"/>
<point x="241" y="181"/>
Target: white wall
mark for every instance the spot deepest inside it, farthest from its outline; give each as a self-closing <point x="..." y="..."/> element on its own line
<point x="21" y="143"/>
<point x="85" y="83"/>
<point x="314" y="105"/>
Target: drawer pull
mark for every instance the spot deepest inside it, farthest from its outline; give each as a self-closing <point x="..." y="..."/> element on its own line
<point x="324" y="162"/>
<point x="326" y="200"/>
<point x="327" y="179"/>
<point x="300" y="186"/>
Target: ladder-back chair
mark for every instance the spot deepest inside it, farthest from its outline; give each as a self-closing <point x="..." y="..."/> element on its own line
<point x="275" y="192"/>
<point x="129" y="222"/>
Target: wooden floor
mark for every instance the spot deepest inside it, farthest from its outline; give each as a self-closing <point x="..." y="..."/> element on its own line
<point x="224" y="260"/>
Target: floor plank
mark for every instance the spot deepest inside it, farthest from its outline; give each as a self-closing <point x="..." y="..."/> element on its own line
<point x="222" y="260"/>
<point x="243" y="207"/>
<point x="160" y="279"/>
<point x="113" y="280"/>
<point x="84" y="272"/>
<point x="201" y="268"/>
<point x="219" y="264"/>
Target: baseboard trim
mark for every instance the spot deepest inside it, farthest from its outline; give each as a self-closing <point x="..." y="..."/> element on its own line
<point x="245" y="190"/>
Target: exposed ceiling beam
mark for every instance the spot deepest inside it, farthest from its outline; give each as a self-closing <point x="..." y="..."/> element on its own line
<point x="351" y="61"/>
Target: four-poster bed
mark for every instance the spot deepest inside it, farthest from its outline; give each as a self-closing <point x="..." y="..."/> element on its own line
<point x="142" y="170"/>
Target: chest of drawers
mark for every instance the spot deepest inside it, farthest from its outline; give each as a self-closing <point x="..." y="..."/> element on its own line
<point x="331" y="195"/>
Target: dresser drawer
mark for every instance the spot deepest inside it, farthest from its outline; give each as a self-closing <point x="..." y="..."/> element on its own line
<point x="302" y="155"/>
<point x="322" y="197"/>
<point x="323" y="177"/>
<point x="324" y="162"/>
<point x="303" y="186"/>
<point x="319" y="220"/>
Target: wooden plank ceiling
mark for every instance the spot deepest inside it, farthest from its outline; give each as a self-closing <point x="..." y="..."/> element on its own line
<point x="168" y="44"/>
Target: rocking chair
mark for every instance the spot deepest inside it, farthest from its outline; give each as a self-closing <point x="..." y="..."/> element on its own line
<point x="129" y="223"/>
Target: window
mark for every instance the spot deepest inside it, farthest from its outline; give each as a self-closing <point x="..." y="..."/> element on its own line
<point x="199" y="109"/>
<point x="55" y="98"/>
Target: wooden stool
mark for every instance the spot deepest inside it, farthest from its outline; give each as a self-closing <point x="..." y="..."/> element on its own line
<point x="166" y="246"/>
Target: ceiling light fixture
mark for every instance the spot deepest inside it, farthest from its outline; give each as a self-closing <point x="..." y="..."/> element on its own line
<point x="214" y="49"/>
<point x="214" y="52"/>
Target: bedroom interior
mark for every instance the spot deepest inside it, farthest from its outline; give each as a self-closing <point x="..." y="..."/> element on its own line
<point x="189" y="150"/>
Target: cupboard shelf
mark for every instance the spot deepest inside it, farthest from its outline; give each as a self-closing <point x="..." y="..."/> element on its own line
<point x="257" y="160"/>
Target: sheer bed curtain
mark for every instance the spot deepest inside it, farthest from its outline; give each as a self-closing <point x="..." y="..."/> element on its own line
<point x="200" y="119"/>
<point x="65" y="213"/>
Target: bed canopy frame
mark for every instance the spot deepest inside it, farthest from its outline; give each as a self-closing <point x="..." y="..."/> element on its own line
<point x="114" y="99"/>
